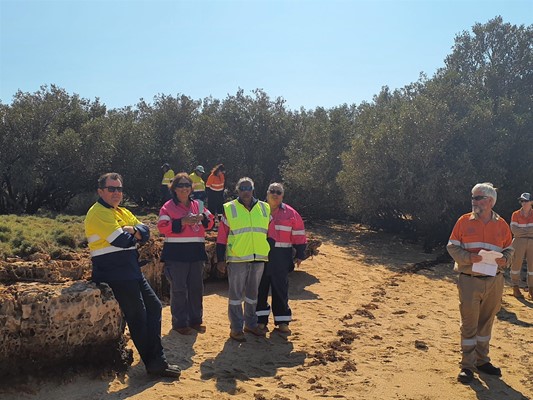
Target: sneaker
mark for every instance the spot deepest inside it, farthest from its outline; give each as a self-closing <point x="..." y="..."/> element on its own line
<point x="238" y="336"/>
<point x="199" y="328"/>
<point x="465" y="376"/>
<point x="184" y="331"/>
<point x="255" y="331"/>
<point x="170" y="371"/>
<point x="283" y="328"/>
<point x="490" y="369"/>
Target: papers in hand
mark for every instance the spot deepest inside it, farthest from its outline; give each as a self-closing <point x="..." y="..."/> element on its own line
<point x="487" y="266"/>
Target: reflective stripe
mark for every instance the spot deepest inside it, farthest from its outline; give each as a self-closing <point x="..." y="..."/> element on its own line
<point x="93" y="238"/>
<point x="263" y="313"/>
<point x="455" y="242"/>
<point x="250" y="301"/>
<point x="481" y="245"/>
<point x="224" y="220"/>
<point x="245" y="230"/>
<point x="469" y="342"/>
<point x="250" y="258"/>
<point x="295" y="233"/>
<point x="165" y="218"/>
<point x="281" y="244"/>
<point x="283" y="228"/>
<point x="116" y="233"/>
<point x="235" y="302"/>
<point x="263" y="208"/>
<point x="285" y="318"/>
<point x="233" y="210"/>
<point x="522" y="225"/>
<point x="109" y="249"/>
<point x="515" y="272"/>
<point x="189" y="239"/>
<point x="483" y="338"/>
<point x="530" y="273"/>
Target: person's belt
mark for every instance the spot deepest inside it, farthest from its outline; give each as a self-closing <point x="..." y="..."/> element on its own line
<point x="480" y="276"/>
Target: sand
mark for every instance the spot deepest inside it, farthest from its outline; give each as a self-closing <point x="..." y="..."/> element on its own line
<point x="363" y="328"/>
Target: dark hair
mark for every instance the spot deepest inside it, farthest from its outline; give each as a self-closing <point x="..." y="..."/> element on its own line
<point x="111" y="175"/>
<point x="217" y="168"/>
<point x="175" y="181"/>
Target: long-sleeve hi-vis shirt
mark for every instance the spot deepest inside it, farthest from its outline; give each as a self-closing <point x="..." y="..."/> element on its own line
<point x="167" y="178"/>
<point x="522" y="227"/>
<point x="286" y="230"/>
<point x="470" y="235"/>
<point x="216" y="182"/>
<point x="113" y="251"/>
<point x="198" y="184"/>
<point x="184" y="243"/>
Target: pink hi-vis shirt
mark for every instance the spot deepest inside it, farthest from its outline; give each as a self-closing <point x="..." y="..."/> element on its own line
<point x="286" y="227"/>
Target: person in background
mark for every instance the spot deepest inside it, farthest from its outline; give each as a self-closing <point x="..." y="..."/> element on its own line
<point x="112" y="234"/>
<point x="198" y="184"/>
<point x="522" y="229"/>
<point x="183" y="222"/>
<point x="215" y="189"/>
<point x="168" y="175"/>
<point x="242" y="249"/>
<point x="480" y="295"/>
<point x="285" y="231"/>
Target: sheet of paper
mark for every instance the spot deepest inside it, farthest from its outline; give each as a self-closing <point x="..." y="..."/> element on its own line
<point x="487" y="266"/>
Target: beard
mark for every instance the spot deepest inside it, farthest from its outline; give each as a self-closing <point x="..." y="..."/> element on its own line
<point x="476" y="210"/>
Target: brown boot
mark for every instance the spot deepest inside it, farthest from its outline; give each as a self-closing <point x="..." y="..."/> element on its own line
<point x="517" y="293"/>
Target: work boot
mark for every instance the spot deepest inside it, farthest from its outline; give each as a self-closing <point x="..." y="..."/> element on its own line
<point x="517" y="293"/>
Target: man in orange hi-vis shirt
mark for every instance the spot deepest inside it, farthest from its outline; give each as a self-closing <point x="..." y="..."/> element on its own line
<point x="480" y="290"/>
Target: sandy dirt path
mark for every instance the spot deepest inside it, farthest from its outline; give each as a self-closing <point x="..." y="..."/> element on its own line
<point x="363" y="329"/>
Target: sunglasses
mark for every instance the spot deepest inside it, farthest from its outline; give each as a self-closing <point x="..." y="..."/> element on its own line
<point x="245" y="188"/>
<point x="183" y="185"/>
<point x="274" y="191"/>
<point x="477" y="198"/>
<point x="524" y="201"/>
<point x="113" y="189"/>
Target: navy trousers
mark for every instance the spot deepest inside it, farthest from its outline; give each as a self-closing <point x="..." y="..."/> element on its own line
<point x="275" y="279"/>
<point x="142" y="310"/>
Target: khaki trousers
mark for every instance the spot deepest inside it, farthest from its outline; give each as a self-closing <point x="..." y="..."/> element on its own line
<point x="479" y="302"/>
<point x="523" y="247"/>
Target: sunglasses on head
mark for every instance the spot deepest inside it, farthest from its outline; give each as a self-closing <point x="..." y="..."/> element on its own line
<point x="477" y="198"/>
<point x="246" y="188"/>
<point x="183" y="185"/>
<point x="275" y="191"/>
<point x="113" y="189"/>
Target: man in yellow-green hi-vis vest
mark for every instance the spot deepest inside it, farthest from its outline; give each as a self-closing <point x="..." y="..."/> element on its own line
<point x="242" y="249"/>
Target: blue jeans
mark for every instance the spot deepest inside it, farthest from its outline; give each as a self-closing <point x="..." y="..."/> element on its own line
<point x="142" y="310"/>
<point x="186" y="292"/>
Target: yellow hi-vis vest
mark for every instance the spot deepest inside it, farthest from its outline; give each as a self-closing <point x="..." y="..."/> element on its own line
<point x="247" y="238"/>
<point x="167" y="177"/>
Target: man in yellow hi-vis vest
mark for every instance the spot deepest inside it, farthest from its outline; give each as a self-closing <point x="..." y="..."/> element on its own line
<point x="242" y="249"/>
<point x="168" y="175"/>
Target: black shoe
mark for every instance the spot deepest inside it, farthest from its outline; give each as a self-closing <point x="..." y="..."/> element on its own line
<point x="170" y="371"/>
<point x="490" y="369"/>
<point x="465" y="376"/>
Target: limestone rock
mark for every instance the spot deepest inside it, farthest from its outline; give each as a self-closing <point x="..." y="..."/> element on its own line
<point x="51" y="326"/>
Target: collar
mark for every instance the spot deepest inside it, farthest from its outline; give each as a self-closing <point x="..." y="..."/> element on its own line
<point x="254" y="202"/>
<point x="102" y="202"/>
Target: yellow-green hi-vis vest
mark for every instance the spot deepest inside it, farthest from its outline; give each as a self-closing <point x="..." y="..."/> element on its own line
<point x="247" y="239"/>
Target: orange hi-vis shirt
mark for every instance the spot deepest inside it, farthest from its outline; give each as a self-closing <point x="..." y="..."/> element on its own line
<point x="522" y="227"/>
<point x="216" y="182"/>
<point x="470" y="235"/>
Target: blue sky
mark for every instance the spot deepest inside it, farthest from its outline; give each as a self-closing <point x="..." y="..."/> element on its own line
<point x="311" y="53"/>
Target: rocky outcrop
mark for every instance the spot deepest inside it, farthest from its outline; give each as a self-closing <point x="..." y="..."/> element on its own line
<point x="45" y="328"/>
